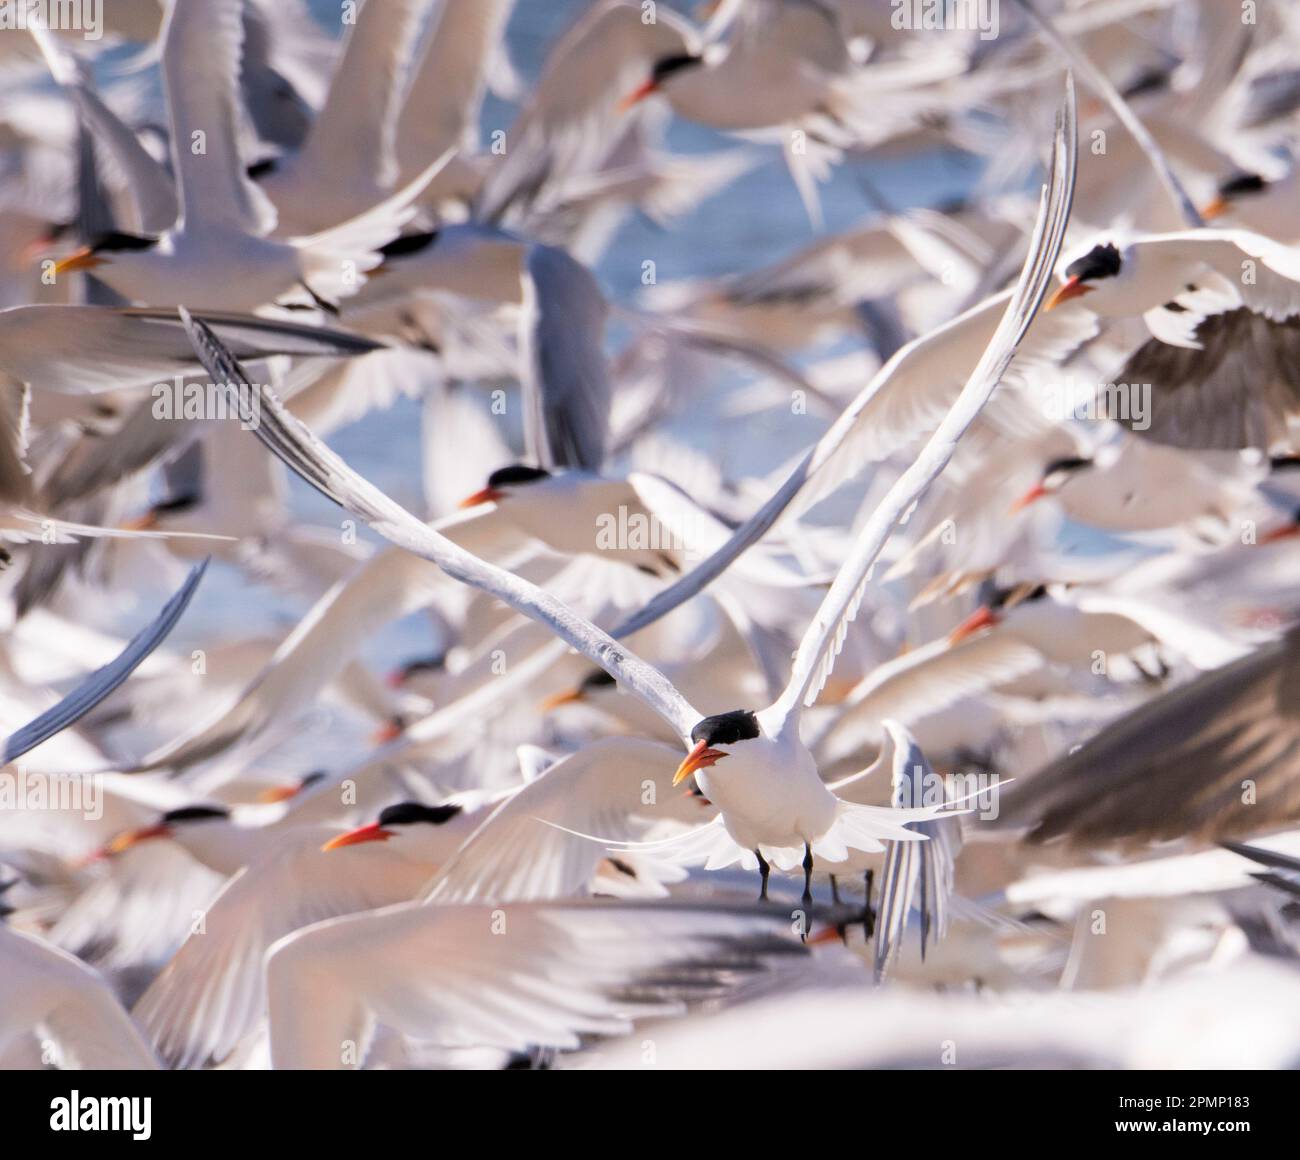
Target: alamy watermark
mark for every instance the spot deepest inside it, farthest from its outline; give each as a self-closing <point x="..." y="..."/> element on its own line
<point x="1127" y="403"/>
<point x="77" y="1113"/>
<point x="636" y="531"/>
<point x="74" y="793"/>
<point x="84" y="16"/>
<point x="980" y="16"/>
<point x="975" y="792"/>
<point x="182" y="400"/>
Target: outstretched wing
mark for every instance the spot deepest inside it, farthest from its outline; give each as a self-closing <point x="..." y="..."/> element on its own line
<point x="306" y="455"/>
<point x="512" y="977"/>
<point x="1216" y="759"/>
<point x="821" y="643"/>
<point x="103" y="681"/>
<point x="1238" y="388"/>
<point x="530" y="848"/>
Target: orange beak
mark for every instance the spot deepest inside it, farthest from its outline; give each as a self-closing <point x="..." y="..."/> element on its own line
<point x="371" y="833"/>
<point x="142" y="523"/>
<point x="82" y="259"/>
<point x="1215" y="209"/>
<point x="1073" y="288"/>
<point x="701" y="757"/>
<point x="129" y="838"/>
<point x="982" y="618"/>
<point x="279" y="793"/>
<point x="637" y="95"/>
<point x="1285" y="532"/>
<point x="487" y="495"/>
<point x="388" y="731"/>
<point x="1033" y="495"/>
<point x="34" y="250"/>
<point x="567" y="697"/>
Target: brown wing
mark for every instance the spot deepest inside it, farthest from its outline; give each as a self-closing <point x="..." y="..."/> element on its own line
<point x="1236" y="391"/>
<point x="1216" y="759"/>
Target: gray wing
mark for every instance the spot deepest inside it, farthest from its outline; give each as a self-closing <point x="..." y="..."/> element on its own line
<point x="15" y="482"/>
<point x="1216" y="759"/>
<point x="566" y="380"/>
<point x="83" y="349"/>
<point x="1238" y="390"/>
<point x="96" y="463"/>
<point x="917" y="875"/>
<point x="103" y="681"/>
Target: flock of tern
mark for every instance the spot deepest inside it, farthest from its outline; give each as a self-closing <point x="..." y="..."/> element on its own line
<point x="878" y="657"/>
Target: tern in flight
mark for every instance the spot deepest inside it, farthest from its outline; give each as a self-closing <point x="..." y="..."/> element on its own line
<point x="753" y="764"/>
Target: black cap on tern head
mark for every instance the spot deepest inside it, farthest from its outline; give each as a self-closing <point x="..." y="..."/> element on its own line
<point x="1240" y="183"/>
<point x="406" y="244"/>
<point x="194" y="814"/>
<point x="1100" y="262"/>
<point x="596" y="679"/>
<point x="409" y="813"/>
<point x="184" y="502"/>
<point x="1019" y="594"/>
<point x="115" y="242"/>
<point x="1066" y="463"/>
<point x="666" y="66"/>
<point x="726" y="728"/>
<point x="516" y="473"/>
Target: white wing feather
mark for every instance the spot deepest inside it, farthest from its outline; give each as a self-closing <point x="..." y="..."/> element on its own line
<point x="821" y="643"/>
<point x="319" y="466"/>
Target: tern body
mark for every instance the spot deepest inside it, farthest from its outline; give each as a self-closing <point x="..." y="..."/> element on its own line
<point x="770" y="793"/>
<point x="239" y="271"/>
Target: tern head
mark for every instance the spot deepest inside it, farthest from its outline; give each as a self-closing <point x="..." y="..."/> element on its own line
<point x="665" y="68"/>
<point x="505" y="480"/>
<point x="593" y="681"/>
<point x="396" y="820"/>
<point x="100" y="253"/>
<point x="1230" y="191"/>
<point x="156" y="515"/>
<point x="167" y="826"/>
<point x="404" y="245"/>
<point x="283" y="793"/>
<point x="992" y="613"/>
<point x="390" y="730"/>
<point x="1082" y="275"/>
<point x="1055" y="476"/>
<point x="433" y="663"/>
<point x="713" y="737"/>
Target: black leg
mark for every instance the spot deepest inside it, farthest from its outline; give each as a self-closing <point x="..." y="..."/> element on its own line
<point x="807" y="873"/>
<point x="764" y="870"/>
<point x="868" y="914"/>
<point x="835" y="890"/>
